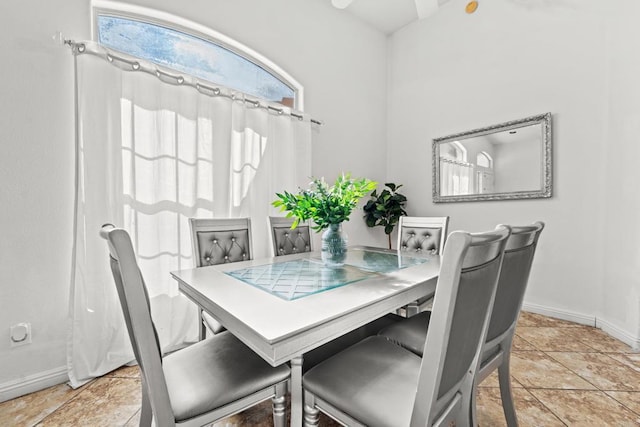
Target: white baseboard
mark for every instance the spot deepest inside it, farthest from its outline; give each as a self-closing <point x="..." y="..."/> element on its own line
<point x="32" y="383"/>
<point x="619" y="334"/>
<point x="570" y="316"/>
<point x="583" y="319"/>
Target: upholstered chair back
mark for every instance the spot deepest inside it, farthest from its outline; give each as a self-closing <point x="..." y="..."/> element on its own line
<point x="425" y="235"/>
<point x="220" y="240"/>
<point x="286" y="241"/>
<point x="198" y="384"/>
<point x="134" y="301"/>
<point x="518" y="259"/>
<point x="458" y="326"/>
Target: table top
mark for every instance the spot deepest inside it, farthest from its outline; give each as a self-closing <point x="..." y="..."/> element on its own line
<point x="278" y="328"/>
<point x="300" y="278"/>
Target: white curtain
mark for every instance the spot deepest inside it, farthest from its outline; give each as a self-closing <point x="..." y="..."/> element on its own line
<point x="149" y="156"/>
<point x="455" y="177"/>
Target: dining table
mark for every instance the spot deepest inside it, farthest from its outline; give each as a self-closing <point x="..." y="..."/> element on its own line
<point x="286" y="306"/>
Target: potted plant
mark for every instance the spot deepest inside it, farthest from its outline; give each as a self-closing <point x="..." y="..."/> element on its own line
<point x="328" y="206"/>
<point x="385" y="209"/>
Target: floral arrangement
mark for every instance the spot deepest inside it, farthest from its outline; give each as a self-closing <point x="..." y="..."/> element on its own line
<point x="325" y="204"/>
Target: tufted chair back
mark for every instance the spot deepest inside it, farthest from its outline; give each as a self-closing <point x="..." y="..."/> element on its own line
<point x="220" y="240"/>
<point x="422" y="234"/>
<point x="284" y="240"/>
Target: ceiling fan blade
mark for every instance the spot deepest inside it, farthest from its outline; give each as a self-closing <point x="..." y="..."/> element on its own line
<point x="341" y="4"/>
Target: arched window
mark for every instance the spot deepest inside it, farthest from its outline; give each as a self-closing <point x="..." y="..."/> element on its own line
<point x="193" y="49"/>
<point x="453" y="151"/>
<point x="485" y="160"/>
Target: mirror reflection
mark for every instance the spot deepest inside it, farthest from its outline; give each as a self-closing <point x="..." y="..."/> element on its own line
<point x="507" y="161"/>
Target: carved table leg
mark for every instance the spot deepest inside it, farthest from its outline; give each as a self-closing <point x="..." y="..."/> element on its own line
<point x="296" y="391"/>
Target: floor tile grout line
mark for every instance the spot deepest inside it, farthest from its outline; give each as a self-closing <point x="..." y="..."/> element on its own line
<point x="545" y="406"/>
<point x="84" y="387"/>
<point x="572" y="389"/>
<point x="584" y="343"/>
<point x="576" y="373"/>
<point x="57" y="408"/>
<point x="590" y="391"/>
<point x="561" y="389"/>
<point x="621" y="403"/>
<point x="520" y="337"/>
<point x="133" y="416"/>
<point x="568" y="368"/>
<point x="595" y="350"/>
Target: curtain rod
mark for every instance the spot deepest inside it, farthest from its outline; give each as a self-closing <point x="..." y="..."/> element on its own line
<point x="456" y="162"/>
<point x="136" y="64"/>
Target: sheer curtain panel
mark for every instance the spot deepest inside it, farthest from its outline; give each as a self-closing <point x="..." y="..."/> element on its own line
<point x="455" y="177"/>
<point x="151" y="154"/>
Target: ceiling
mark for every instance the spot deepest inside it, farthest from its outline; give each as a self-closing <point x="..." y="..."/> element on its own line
<point x="389" y="16"/>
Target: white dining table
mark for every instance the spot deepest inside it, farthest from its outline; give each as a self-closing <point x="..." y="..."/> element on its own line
<point x="285" y="306"/>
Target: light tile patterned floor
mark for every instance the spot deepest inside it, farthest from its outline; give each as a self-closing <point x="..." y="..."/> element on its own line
<point x="563" y="374"/>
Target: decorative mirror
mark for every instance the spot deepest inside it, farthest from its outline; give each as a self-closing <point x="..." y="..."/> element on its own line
<point x="507" y="161"/>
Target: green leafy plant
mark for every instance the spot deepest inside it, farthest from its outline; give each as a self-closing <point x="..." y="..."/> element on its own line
<point x="324" y="204"/>
<point x="385" y="209"/>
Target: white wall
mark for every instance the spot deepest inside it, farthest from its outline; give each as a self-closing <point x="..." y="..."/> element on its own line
<point x="511" y="59"/>
<point x="341" y="63"/>
<point x="620" y="293"/>
<point x="36" y="176"/>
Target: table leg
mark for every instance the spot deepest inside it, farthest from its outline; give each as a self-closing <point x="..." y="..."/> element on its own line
<point x="202" y="330"/>
<point x="296" y="392"/>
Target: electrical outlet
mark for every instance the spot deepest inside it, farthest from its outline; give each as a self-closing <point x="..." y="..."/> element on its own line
<point x="20" y="334"/>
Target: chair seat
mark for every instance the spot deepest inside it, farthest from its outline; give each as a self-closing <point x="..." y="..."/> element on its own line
<point x="216" y="372"/>
<point x="322" y="353"/>
<point x="373" y="381"/>
<point x="211" y="323"/>
<point x="409" y="333"/>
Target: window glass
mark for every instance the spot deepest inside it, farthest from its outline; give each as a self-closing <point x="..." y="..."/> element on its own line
<point x="192" y="55"/>
<point x="484" y="159"/>
<point x="453" y="151"/>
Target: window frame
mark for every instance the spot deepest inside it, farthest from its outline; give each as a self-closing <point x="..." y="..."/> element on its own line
<point x="177" y="23"/>
<point x="487" y="157"/>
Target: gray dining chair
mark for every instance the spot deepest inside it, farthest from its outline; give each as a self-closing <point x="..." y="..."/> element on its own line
<point x="378" y="383"/>
<point x="422" y="235"/>
<point x="218" y="241"/>
<point x="196" y="385"/>
<point x="284" y="240"/>
<point x="496" y="352"/>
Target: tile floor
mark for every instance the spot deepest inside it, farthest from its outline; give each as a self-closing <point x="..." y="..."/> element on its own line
<point x="562" y="374"/>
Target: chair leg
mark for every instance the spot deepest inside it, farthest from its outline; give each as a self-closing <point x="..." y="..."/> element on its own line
<point x="279" y="407"/>
<point x="473" y="414"/>
<point x="202" y="330"/>
<point x="465" y="417"/>
<point x="504" y="378"/>
<point x="146" y="414"/>
<point x="412" y="309"/>
<point x="311" y="414"/>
